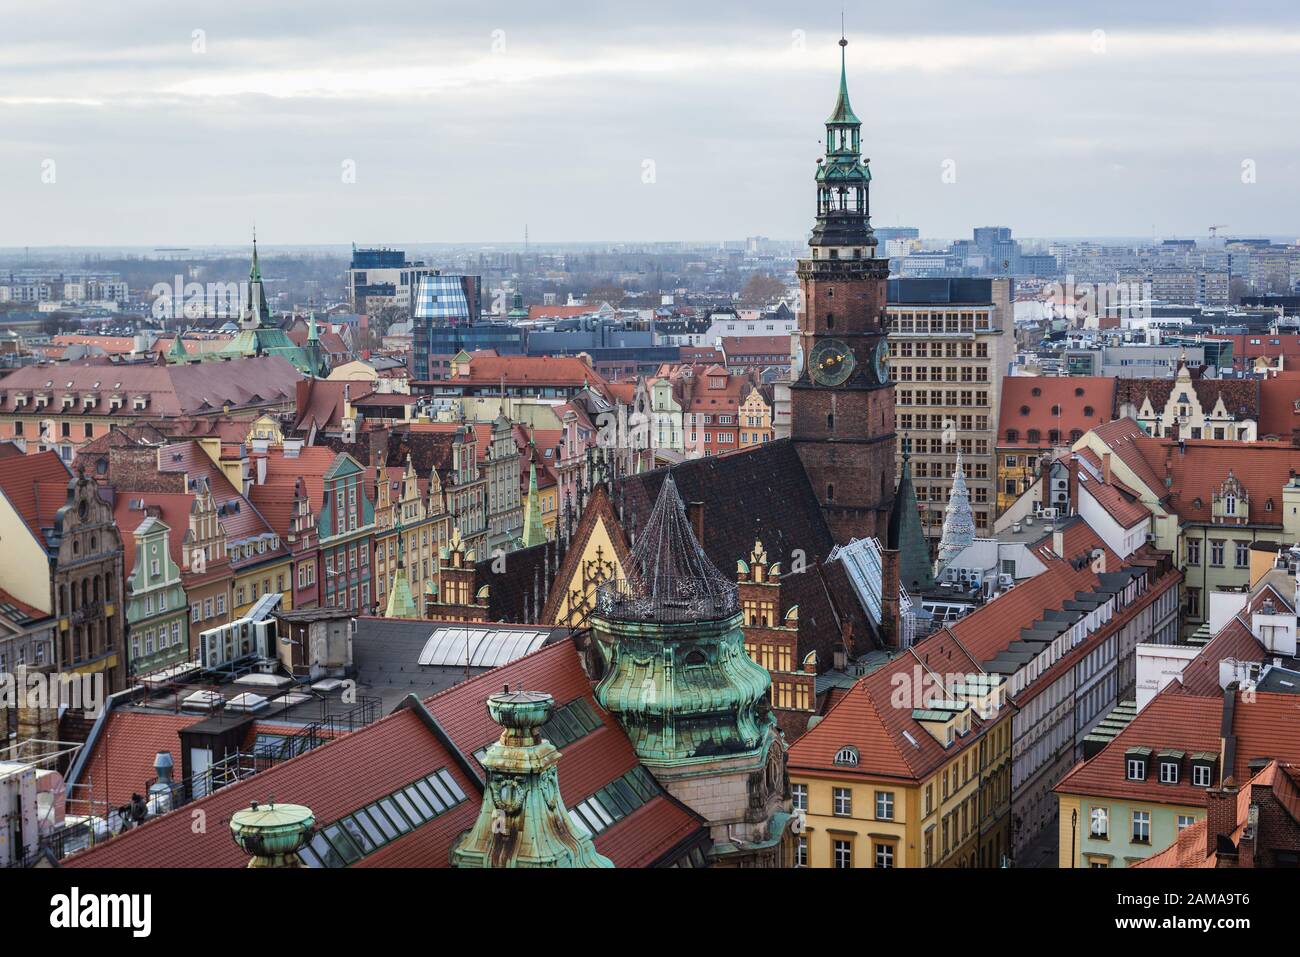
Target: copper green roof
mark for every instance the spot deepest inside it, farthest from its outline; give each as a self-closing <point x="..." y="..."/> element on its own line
<point x="843" y="113"/>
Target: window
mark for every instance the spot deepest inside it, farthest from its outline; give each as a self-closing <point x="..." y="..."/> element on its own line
<point x="884" y="805"/>
<point x="1193" y="552"/>
<point x="1141" y="827"/>
<point x="843" y="802"/>
<point x="1168" y="772"/>
<point x="884" y="855"/>
<point x="843" y="853"/>
<point x="1201" y="775"/>
<point x="1216" y="552"/>
<point x="1137" y="769"/>
<point x="847" y="755"/>
<point x="1185" y="820"/>
<point x="1243" y="554"/>
<point x="802" y="852"/>
<point x="799" y="795"/>
<point x="1099" y="823"/>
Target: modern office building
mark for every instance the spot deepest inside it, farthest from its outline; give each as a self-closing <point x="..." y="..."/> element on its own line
<point x="950" y="344"/>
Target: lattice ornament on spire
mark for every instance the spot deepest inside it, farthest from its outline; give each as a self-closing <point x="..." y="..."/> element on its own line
<point x="669" y="576"/>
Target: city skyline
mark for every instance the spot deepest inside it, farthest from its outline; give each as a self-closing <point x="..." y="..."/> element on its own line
<point x="588" y="126"/>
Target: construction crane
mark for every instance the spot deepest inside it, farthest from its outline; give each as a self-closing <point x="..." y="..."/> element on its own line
<point x="1214" y="230"/>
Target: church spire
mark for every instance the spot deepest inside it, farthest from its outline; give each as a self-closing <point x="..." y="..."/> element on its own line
<point x="255" y="271"/>
<point x="178" y="353"/>
<point x="534" y="533"/>
<point x="958" y="521"/>
<point x="906" y="536"/>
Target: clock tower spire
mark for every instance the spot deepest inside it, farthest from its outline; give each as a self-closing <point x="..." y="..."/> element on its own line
<point x="842" y="402"/>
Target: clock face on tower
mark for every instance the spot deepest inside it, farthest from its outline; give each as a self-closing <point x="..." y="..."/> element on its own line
<point x="881" y="354"/>
<point x="831" y="362"/>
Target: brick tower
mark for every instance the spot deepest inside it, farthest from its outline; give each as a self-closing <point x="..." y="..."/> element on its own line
<point x="842" y="404"/>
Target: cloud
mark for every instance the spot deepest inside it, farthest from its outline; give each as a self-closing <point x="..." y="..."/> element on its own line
<point x="464" y="124"/>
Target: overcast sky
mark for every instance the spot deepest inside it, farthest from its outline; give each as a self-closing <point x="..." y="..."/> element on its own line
<point x="464" y="122"/>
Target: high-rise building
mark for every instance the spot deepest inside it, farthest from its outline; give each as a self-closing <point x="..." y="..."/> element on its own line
<point x="383" y="277"/>
<point x="950" y="344"/>
<point x="842" y="402"/>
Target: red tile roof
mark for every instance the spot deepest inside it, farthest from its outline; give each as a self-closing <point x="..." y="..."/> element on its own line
<point x="188" y="388"/>
<point x="332" y="780"/>
<point x="1279" y="414"/>
<point x="355" y="769"/>
<point x="1122" y="506"/>
<point x="1172" y="719"/>
<point x="1028" y="403"/>
<point x="586" y="765"/>
<point x="122" y="761"/>
<point x="1188" y="850"/>
<point x="37" y="487"/>
<point x="1234" y="640"/>
<point x="1266" y="725"/>
<point x="889" y="741"/>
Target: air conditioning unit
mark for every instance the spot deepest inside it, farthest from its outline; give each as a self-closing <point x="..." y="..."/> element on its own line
<point x="1006" y="581"/>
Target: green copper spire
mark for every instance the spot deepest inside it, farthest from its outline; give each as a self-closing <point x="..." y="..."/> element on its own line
<point x="313" y="333"/>
<point x="843" y="113"/>
<point x="178" y="353"/>
<point x="523" y="821"/>
<point x="401" y="603"/>
<point x="906" y="535"/>
<point x="255" y="271"/>
<point x="534" y="533"/>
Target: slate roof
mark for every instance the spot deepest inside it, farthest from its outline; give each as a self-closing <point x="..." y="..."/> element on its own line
<point x="1240" y="396"/>
<point x="762" y="493"/>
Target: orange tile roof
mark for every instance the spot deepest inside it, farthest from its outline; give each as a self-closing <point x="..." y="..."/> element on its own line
<point x="1234" y="640"/>
<point x="1084" y="402"/>
<point x="1122" y="506"/>
<point x="1172" y="719"/>
<point x="122" y="761"/>
<point x="37" y="487"/>
<point x="1279" y="407"/>
<point x="889" y="741"/>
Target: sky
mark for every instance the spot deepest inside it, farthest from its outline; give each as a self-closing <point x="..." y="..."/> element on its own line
<point x="168" y="123"/>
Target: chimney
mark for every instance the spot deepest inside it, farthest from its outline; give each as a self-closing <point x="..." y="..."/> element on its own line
<point x="695" y="512"/>
<point x="261" y="470"/>
<point x="1058" y="543"/>
<point x="1220" y="814"/>
<point x="1105" y="467"/>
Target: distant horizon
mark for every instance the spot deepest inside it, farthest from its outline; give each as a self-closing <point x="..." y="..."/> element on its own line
<point x="290" y="248"/>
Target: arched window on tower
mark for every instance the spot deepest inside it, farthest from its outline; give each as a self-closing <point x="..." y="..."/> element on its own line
<point x="830" y="421"/>
<point x="830" y="491"/>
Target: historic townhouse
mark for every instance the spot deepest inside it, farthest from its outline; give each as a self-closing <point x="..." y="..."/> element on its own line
<point x="1210" y="501"/>
<point x="157" y="612"/>
<point x="909" y="767"/>
<point x="1039" y="419"/>
<point x="64" y="556"/>
<point x="63" y="407"/>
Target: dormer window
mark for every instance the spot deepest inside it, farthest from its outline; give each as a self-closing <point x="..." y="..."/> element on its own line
<point x="1169" y="766"/>
<point x="847" y="755"/>
<point x="1203" y="769"/>
<point x="1136" y="763"/>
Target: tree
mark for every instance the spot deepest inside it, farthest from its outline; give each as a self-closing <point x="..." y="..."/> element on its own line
<point x="761" y="288"/>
